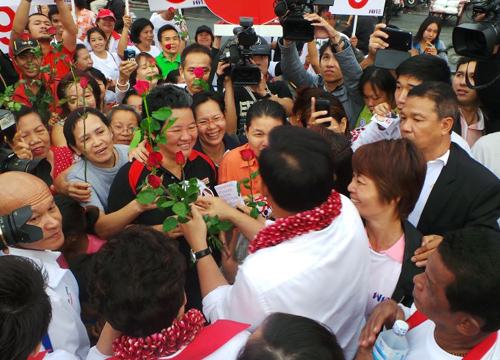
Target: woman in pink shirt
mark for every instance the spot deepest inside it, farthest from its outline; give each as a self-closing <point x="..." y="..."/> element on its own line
<point x="388" y="177"/>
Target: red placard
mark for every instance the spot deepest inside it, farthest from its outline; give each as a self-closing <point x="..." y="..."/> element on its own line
<point x="261" y="11"/>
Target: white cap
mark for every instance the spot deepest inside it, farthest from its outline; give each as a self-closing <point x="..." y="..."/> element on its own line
<point x="400" y="328"/>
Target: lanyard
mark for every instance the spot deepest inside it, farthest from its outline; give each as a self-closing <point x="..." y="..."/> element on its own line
<point x="477" y="351"/>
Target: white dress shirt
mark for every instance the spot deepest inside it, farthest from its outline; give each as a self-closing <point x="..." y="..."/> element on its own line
<point x="372" y="134"/>
<point x="322" y="275"/>
<point x="434" y="169"/>
<point x="66" y="330"/>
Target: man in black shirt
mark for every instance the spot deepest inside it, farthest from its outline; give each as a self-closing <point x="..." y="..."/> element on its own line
<point x="268" y="88"/>
<point x="180" y="137"/>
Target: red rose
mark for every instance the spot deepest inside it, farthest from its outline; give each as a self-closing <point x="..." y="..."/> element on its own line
<point x="171" y="10"/>
<point x="141" y="87"/>
<point x="247" y="154"/>
<point x="25" y="36"/>
<point x="328" y="14"/>
<point x="154" y="159"/>
<point x="154" y="181"/>
<point x="168" y="46"/>
<point x="152" y="61"/>
<point x="84" y="82"/>
<point x="51" y="30"/>
<point x="198" y="72"/>
<point x="67" y="60"/>
<point x="179" y="158"/>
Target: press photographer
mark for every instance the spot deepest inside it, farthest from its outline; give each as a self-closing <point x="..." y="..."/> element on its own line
<point x="36" y="237"/>
<point x="339" y="70"/>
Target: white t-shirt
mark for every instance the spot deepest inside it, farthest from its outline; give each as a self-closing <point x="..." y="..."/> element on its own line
<point x="154" y="51"/>
<point x="384" y="276"/>
<point x="322" y="275"/>
<point x="66" y="330"/>
<point x="229" y="351"/>
<point x="487" y="151"/>
<point x="110" y="66"/>
<point x="423" y="345"/>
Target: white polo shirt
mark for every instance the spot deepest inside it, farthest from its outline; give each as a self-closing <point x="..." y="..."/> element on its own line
<point x="66" y="330"/>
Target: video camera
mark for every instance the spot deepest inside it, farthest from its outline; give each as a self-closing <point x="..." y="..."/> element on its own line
<point x="14" y="230"/>
<point x="238" y="51"/>
<point x="291" y="14"/>
<point x="478" y="39"/>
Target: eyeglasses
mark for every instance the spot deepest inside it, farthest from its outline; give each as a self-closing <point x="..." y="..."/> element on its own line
<point x="216" y="120"/>
<point x="120" y="130"/>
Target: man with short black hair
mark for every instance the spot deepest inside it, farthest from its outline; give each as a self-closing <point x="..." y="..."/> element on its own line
<point x="456" y="313"/>
<point x="340" y="71"/>
<point x="169" y="41"/>
<point x="25" y="311"/>
<point x="313" y="261"/>
<point x="36" y="26"/>
<point x="458" y="192"/>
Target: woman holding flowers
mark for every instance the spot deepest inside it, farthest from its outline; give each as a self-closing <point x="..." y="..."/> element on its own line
<point x="239" y="163"/>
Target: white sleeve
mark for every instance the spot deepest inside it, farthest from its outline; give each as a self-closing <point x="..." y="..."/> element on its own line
<point x="95" y="354"/>
<point x="239" y="302"/>
<point x="372" y="134"/>
<point x="60" y="355"/>
<point x="66" y="330"/>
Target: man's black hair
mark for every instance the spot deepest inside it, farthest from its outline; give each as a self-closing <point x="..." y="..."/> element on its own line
<point x="25" y="310"/>
<point x="166" y="96"/>
<point x="297" y="168"/>
<point x="165" y="28"/>
<point x="195" y="48"/>
<point x="53" y="10"/>
<point x="472" y="254"/>
<point x="443" y="96"/>
<point x="138" y="277"/>
<point x="425" y="67"/>
<point x="72" y="120"/>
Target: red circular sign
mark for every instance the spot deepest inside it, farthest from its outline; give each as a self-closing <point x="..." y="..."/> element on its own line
<point x="358" y="5"/>
<point x="261" y="11"/>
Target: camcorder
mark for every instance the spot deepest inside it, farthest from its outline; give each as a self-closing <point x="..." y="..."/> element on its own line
<point x="478" y="40"/>
<point x="15" y="231"/>
<point x="238" y="51"/>
<point x="291" y="15"/>
<point x="9" y="161"/>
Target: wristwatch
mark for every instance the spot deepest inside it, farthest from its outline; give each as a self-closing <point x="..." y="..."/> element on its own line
<point x="195" y="256"/>
<point x="268" y="95"/>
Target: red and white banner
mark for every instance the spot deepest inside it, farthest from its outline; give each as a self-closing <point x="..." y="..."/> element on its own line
<point x="358" y="7"/>
<point x="159" y="5"/>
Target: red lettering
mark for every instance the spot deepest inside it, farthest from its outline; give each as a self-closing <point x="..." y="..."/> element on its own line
<point x="11" y="14"/>
<point x="357" y="5"/>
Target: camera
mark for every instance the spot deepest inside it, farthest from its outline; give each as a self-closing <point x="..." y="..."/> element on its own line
<point x="238" y="51"/>
<point x="478" y="39"/>
<point x="41" y="168"/>
<point x="291" y="15"/>
<point x="14" y="230"/>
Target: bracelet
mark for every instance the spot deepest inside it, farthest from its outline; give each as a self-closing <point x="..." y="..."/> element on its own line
<point x="126" y="84"/>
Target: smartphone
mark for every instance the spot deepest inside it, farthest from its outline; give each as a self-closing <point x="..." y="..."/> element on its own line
<point x="129" y="54"/>
<point x="398" y="39"/>
<point x="324" y="105"/>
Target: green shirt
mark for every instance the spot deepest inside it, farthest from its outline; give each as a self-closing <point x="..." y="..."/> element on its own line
<point x="366" y="117"/>
<point x="167" y="66"/>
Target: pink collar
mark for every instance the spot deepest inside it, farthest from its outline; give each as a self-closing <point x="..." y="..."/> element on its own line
<point x="396" y="251"/>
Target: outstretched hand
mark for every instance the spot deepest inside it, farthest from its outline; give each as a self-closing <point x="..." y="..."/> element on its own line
<point x="195" y="231"/>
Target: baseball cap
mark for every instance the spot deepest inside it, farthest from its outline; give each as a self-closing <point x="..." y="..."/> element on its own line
<point x="21" y="45"/>
<point x="106" y="13"/>
<point x="204" y="28"/>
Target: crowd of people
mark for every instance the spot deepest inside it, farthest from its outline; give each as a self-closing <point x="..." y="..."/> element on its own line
<point x="364" y="194"/>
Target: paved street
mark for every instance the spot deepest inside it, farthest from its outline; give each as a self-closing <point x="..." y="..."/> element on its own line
<point x="409" y="21"/>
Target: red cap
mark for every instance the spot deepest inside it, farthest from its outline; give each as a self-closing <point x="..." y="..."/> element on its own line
<point x="106" y="13"/>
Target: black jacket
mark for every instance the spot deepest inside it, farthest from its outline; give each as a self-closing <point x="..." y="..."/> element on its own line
<point x="465" y="194"/>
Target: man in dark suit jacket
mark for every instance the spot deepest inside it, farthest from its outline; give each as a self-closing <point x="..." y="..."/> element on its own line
<point x="458" y="191"/>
